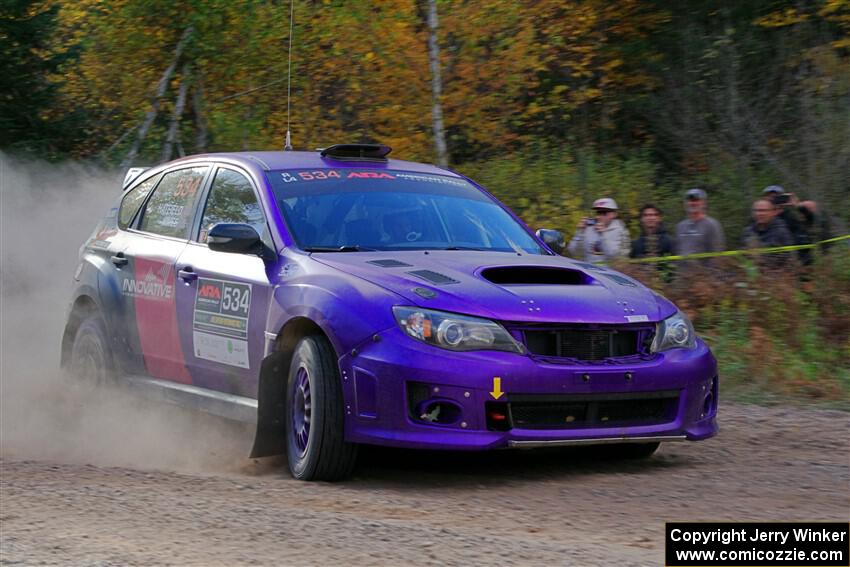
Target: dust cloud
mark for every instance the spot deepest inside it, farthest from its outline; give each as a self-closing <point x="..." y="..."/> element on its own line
<point x="46" y="213"/>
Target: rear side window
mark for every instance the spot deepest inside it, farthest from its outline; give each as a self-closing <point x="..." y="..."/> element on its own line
<point x="133" y="200"/>
<point x="169" y="210"/>
<point x="232" y="200"/>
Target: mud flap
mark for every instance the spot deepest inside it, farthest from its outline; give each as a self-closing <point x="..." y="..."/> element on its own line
<point x="270" y="438"/>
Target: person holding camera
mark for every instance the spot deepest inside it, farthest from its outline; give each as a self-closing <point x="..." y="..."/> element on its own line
<point x="602" y="238"/>
<point x="797" y="217"/>
<point x="767" y="230"/>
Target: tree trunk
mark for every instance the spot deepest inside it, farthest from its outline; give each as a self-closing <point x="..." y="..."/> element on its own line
<point x="200" y="123"/>
<point x="174" y="127"/>
<point x="161" y="87"/>
<point x="436" y="86"/>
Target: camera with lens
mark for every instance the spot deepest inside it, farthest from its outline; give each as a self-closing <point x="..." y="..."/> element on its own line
<point x="782" y="199"/>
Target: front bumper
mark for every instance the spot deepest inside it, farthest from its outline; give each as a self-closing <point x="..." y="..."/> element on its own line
<point x="378" y="377"/>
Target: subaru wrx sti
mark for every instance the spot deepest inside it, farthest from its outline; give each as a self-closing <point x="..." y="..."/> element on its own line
<point x="340" y="298"/>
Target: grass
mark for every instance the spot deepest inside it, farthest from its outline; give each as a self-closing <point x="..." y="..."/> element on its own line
<point x="779" y="336"/>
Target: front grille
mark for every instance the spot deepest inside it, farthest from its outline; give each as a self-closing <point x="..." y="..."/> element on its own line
<point x="588" y="344"/>
<point x="589" y="411"/>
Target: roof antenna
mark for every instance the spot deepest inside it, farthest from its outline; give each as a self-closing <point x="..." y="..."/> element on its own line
<point x="287" y="147"/>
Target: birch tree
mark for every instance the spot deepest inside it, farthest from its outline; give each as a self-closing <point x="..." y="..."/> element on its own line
<point x="436" y="86"/>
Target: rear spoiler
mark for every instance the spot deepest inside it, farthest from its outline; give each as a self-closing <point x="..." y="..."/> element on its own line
<point x="357" y="152"/>
<point x="132" y="174"/>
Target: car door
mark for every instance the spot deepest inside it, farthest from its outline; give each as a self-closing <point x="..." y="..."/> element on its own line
<point x="148" y="281"/>
<point x="106" y="249"/>
<point x="223" y="297"/>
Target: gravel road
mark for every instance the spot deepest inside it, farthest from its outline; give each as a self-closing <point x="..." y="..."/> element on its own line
<point x="207" y="505"/>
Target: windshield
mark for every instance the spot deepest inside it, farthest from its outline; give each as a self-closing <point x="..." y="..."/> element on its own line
<point x="352" y="210"/>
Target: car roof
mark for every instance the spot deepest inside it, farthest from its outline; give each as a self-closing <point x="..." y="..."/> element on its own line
<point x="274" y="160"/>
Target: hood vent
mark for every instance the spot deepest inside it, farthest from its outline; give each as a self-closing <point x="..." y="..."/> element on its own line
<point x="535" y="275"/>
<point x="433" y="277"/>
<point x="389" y="263"/>
<point x="620" y="280"/>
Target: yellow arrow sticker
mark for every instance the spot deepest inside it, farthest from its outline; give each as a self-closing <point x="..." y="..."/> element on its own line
<point x="497" y="388"/>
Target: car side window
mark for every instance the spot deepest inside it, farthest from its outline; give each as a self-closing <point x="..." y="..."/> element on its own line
<point x="232" y="200"/>
<point x="170" y="209"/>
<point x="133" y="200"/>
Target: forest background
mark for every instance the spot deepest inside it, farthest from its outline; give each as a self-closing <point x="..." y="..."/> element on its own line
<point x="549" y="104"/>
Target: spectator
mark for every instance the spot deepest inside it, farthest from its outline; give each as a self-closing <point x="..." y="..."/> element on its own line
<point x="654" y="239"/>
<point x="602" y="238"/>
<point x="797" y="218"/>
<point x="819" y="226"/>
<point x="767" y="230"/>
<point x="699" y="232"/>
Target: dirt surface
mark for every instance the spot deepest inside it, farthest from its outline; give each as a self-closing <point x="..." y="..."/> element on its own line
<point x="556" y="508"/>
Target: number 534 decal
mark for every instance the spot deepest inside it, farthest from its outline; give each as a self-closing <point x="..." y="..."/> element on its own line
<point x="220" y="326"/>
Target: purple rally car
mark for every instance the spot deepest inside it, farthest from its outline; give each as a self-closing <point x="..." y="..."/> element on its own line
<point x="339" y="297"/>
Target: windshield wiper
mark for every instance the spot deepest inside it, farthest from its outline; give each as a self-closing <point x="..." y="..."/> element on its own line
<point x="345" y="248"/>
<point x="465" y="248"/>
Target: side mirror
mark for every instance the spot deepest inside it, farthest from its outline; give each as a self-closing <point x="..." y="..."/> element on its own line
<point x="554" y="239"/>
<point x="235" y="238"/>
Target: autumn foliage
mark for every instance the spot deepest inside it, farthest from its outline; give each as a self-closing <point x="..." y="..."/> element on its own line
<point x="550" y="104"/>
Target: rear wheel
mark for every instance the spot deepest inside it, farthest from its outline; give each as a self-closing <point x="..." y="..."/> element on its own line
<point x="91" y="360"/>
<point x="315" y="445"/>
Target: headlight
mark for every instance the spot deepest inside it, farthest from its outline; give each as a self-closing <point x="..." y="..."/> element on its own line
<point x="454" y="332"/>
<point x="675" y="331"/>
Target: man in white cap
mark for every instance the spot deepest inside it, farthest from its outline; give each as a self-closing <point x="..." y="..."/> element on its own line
<point x="603" y="237"/>
<point x="699" y="232"/>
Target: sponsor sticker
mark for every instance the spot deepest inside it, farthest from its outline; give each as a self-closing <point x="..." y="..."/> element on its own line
<point x="220" y="321"/>
<point x="438" y="179"/>
<point x="154" y="285"/>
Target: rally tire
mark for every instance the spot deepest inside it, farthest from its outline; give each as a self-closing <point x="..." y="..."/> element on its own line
<point x="315" y="414"/>
<point x="91" y="363"/>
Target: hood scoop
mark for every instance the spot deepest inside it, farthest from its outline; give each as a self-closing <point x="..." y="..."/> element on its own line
<point x="535" y="275"/>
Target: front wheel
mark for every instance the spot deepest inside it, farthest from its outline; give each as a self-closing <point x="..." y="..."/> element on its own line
<point x="315" y="445"/>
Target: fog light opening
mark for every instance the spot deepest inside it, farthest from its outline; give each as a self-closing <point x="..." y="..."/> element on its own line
<point x="708" y="404"/>
<point x="439" y="412"/>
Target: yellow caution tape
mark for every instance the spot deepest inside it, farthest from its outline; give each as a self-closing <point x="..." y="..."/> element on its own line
<point x="750" y="251"/>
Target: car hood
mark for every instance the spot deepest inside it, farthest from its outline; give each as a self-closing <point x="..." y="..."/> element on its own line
<point x="506" y="287"/>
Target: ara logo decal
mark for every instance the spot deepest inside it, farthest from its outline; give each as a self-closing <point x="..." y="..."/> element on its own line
<point x="210" y="291"/>
<point x="369" y="175"/>
<point x="209" y="295"/>
<point x="154" y="285"/>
